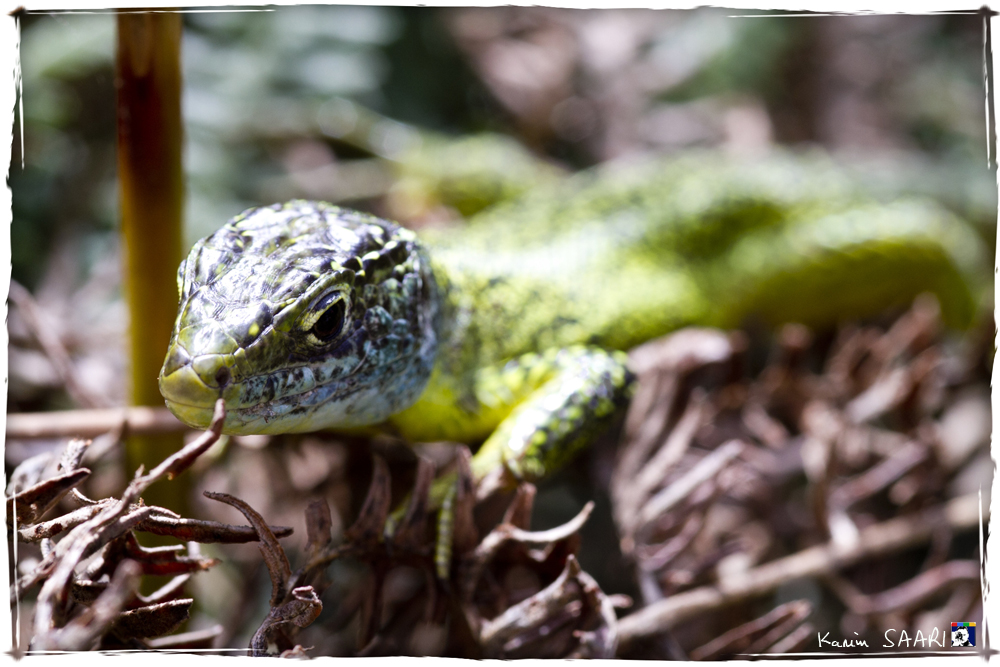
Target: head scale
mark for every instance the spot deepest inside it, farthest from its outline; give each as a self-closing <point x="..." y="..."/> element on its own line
<point x="301" y="316"/>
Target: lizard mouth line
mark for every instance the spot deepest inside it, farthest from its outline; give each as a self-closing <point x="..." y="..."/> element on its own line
<point x="277" y="400"/>
<point x="270" y="411"/>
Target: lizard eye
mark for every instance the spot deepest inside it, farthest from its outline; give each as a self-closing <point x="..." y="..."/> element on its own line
<point x="331" y="322"/>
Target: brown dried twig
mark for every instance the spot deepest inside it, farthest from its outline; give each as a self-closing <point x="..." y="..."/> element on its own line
<point x="571" y="617"/>
<point x="91" y="423"/>
<point x="880" y="539"/>
<point x="909" y="594"/>
<point x="77" y="610"/>
<point x="757" y="635"/>
<point x="832" y="457"/>
<point x="293" y="603"/>
<point x="270" y="548"/>
<point x="53" y="348"/>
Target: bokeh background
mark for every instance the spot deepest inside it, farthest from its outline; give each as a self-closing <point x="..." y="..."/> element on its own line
<point x="322" y="102"/>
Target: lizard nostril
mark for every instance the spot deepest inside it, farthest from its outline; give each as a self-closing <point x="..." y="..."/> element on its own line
<point x="222" y="377"/>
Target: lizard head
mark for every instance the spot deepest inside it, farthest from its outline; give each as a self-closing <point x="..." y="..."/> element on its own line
<point x="301" y="316"/>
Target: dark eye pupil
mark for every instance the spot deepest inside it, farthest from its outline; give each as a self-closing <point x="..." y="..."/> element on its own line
<point x="330" y="323"/>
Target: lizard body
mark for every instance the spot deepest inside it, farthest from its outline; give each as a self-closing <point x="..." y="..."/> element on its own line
<point x="305" y="316"/>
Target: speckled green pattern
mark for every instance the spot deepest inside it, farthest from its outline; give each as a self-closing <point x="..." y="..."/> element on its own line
<point x="502" y="331"/>
<point x="251" y="296"/>
<point x="578" y="392"/>
<point x="849" y="263"/>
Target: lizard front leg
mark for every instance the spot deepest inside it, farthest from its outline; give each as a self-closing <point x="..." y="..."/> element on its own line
<point x="569" y="395"/>
<point x="544" y="409"/>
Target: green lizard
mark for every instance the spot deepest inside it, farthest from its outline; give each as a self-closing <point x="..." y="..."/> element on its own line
<point x="511" y="331"/>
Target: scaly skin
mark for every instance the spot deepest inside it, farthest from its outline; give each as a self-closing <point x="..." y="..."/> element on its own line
<point x="512" y="330"/>
<point x="249" y="325"/>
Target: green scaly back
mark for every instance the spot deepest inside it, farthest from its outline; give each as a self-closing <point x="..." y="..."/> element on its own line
<point x="507" y="329"/>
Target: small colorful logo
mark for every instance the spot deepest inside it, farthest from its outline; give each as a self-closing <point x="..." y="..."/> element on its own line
<point x="963" y="634"/>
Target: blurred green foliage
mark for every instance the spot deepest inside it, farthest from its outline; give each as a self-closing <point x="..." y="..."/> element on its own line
<point x="254" y="80"/>
<point x="69" y="124"/>
<point x="264" y="87"/>
<point x="258" y="82"/>
<point x="734" y="56"/>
